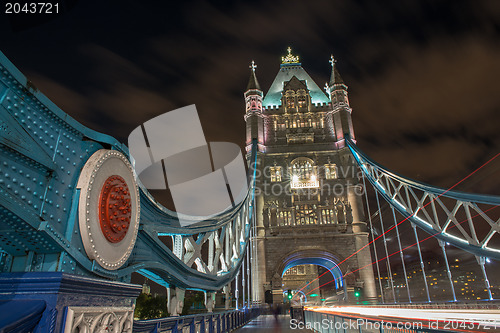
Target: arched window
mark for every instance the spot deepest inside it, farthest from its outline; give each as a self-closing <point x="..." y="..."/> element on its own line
<point x="276" y="174"/>
<point x="304" y="173"/>
<point x="290" y="99"/>
<point x="302" y="99"/>
<point x="330" y="171"/>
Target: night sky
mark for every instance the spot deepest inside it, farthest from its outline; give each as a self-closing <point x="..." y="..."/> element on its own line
<point x="422" y="75"/>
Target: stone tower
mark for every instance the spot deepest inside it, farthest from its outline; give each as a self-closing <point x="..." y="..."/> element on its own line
<point x="308" y="198"/>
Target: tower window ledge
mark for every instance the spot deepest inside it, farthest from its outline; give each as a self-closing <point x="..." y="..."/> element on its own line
<point x="304" y="184"/>
<point x="300" y="138"/>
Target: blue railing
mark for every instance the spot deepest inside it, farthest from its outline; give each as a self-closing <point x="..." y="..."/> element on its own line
<point x="217" y="322"/>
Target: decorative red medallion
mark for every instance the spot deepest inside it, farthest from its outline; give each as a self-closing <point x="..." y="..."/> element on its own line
<point x="115" y="209"/>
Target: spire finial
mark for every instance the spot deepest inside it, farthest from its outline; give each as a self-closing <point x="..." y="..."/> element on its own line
<point x="253" y="66"/>
<point x="332" y="60"/>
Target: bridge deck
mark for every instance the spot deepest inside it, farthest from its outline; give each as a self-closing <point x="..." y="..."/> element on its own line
<point x="267" y="323"/>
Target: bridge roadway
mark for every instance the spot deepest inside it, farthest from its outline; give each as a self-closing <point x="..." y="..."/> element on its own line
<point x="268" y="324"/>
<point x="453" y="320"/>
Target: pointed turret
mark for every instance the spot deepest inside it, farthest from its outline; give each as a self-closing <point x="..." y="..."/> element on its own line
<point x="253" y="115"/>
<point x="337" y="87"/>
<point x="340" y="116"/>
<point x="253" y="83"/>
<point x="335" y="77"/>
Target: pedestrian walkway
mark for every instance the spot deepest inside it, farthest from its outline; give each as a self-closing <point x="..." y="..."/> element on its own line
<point x="268" y="324"/>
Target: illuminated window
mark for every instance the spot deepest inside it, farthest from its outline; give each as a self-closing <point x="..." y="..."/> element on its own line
<point x="330" y="171"/>
<point x="302" y="168"/>
<point x="303" y="173"/>
<point x="302" y="101"/>
<point x="305" y="214"/>
<point x="290" y="102"/>
<point x="297" y="270"/>
<point x="276" y="174"/>
<point x="284" y="218"/>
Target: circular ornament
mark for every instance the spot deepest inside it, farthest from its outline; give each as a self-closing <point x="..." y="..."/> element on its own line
<point x="108" y="209"/>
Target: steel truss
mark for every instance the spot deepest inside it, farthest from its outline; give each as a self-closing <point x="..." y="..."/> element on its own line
<point x="464" y="220"/>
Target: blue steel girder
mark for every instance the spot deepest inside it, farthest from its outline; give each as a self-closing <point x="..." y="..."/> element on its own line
<point x="42" y="154"/>
<point x="458" y="218"/>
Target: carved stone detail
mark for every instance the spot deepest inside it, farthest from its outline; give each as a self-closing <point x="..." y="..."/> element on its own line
<point x="98" y="319"/>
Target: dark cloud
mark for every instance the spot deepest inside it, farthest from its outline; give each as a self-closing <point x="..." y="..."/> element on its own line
<point x="443" y="108"/>
<point x="422" y="74"/>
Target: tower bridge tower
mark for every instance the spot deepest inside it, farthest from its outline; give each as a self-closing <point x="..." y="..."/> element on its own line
<point x="308" y="196"/>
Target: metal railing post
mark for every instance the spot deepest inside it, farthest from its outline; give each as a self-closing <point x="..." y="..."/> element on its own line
<point x="243" y="285"/>
<point x="481" y="261"/>
<point x="236" y="291"/>
<point x="421" y="262"/>
<point x="373" y="242"/>
<point x="448" y="271"/>
<point x="248" y="277"/>
<point x="401" y="254"/>
<point x="385" y="247"/>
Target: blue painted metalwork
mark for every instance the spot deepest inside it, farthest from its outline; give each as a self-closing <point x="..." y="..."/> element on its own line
<point x="51" y="293"/>
<point x="23" y="316"/>
<point x="421" y="204"/>
<point x="42" y="153"/>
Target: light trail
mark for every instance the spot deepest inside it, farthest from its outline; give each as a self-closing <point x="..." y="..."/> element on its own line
<point x="394" y="226"/>
<point x="469" y="320"/>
